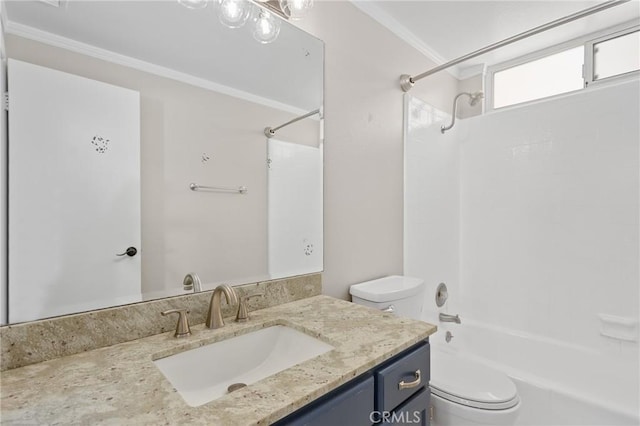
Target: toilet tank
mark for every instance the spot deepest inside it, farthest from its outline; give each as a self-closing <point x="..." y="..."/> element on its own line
<point x="401" y="295"/>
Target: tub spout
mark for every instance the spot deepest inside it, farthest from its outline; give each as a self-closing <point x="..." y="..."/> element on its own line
<point x="449" y="318"/>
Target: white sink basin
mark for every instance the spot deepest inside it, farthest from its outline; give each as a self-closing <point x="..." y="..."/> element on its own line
<point x="203" y="374"/>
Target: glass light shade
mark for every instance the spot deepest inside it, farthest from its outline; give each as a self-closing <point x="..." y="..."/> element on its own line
<point x="194" y="4"/>
<point x="267" y="27"/>
<point x="295" y="9"/>
<point x="234" y="13"/>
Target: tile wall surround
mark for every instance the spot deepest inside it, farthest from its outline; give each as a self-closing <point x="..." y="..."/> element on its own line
<point x="549" y="215"/>
<point x="534" y="211"/>
<point x="37" y="341"/>
<point x="432" y="200"/>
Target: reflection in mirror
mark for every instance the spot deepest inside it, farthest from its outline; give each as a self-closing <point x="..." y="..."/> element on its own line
<point x="117" y="108"/>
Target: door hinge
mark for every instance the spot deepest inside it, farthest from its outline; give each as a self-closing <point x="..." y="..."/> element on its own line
<point x="5" y="101"/>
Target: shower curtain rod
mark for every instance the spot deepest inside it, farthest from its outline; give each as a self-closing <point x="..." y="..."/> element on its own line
<point x="271" y="131"/>
<point x="407" y="81"/>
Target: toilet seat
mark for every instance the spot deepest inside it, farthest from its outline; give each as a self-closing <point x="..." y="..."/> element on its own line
<point x="471" y="384"/>
<point x="476" y="404"/>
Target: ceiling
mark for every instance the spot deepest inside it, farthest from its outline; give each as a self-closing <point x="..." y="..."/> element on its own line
<point x="166" y="34"/>
<point x="445" y="30"/>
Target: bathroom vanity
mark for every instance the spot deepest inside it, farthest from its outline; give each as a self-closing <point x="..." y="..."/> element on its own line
<point x="373" y="368"/>
<point x="381" y="395"/>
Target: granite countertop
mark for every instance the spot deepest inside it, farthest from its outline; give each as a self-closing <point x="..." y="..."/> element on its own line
<point x="121" y="385"/>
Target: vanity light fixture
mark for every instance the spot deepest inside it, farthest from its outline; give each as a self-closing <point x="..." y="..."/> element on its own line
<point x="295" y="9"/>
<point x="267" y="26"/>
<point x="288" y="9"/>
<point x="194" y="4"/>
<point x="236" y="13"/>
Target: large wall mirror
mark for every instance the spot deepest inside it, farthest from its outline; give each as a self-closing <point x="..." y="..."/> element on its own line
<point x="137" y="152"/>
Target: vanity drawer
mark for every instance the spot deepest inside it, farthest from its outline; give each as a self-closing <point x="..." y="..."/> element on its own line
<point x="348" y="405"/>
<point x="398" y="381"/>
<point x="413" y="412"/>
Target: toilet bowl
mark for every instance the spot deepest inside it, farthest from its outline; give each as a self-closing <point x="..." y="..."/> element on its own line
<point x="463" y="393"/>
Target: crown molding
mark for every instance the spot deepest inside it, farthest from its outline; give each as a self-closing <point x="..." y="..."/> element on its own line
<point x="393" y="25"/>
<point x="45" y="37"/>
<point x="471" y="71"/>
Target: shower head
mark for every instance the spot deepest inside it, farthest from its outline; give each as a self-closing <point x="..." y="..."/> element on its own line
<point x="474" y="98"/>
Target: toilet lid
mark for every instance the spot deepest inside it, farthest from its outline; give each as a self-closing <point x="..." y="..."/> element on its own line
<point x="469" y="383"/>
<point x="388" y="289"/>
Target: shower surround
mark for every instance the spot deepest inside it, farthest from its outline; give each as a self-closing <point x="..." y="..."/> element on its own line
<point x="530" y="214"/>
<point x="549" y="215"/>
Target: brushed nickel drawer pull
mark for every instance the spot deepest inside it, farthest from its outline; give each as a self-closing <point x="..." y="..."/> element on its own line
<point x="415" y="383"/>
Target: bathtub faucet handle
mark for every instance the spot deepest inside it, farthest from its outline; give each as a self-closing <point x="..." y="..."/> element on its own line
<point x="448" y="336"/>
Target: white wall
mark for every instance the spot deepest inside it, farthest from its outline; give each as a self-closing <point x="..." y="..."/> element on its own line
<point x="363" y="151"/>
<point x="549" y="215"/>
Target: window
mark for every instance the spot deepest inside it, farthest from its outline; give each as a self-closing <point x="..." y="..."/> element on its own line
<point x="616" y="56"/>
<point x="565" y="68"/>
<point x="551" y="75"/>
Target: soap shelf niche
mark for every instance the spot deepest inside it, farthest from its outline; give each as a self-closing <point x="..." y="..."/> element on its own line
<point x="620" y="328"/>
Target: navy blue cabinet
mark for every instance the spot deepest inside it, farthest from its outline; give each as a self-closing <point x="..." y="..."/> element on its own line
<point x="350" y="404"/>
<point x="402" y="377"/>
<point x="395" y="392"/>
<point x="415" y="411"/>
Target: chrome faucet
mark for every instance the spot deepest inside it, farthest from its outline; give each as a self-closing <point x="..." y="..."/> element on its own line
<point x="214" y="316"/>
<point x="449" y="318"/>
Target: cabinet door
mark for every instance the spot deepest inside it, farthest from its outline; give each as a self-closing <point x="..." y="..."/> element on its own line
<point x="351" y="405"/>
<point x="411" y="369"/>
<point x="414" y="412"/>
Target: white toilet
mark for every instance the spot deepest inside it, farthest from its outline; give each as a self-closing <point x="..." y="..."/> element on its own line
<point x="462" y="392"/>
<point x="400" y="295"/>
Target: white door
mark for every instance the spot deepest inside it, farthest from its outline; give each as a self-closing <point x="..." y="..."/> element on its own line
<point x="74" y="193"/>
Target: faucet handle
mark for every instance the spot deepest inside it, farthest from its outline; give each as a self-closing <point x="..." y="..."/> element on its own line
<point x="243" y="312"/>
<point x="182" y="327"/>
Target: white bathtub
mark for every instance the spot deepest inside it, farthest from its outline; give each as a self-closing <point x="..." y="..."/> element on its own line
<point x="559" y="384"/>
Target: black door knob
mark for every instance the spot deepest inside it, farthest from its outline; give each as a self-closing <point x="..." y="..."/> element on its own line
<point x="131" y="251"/>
